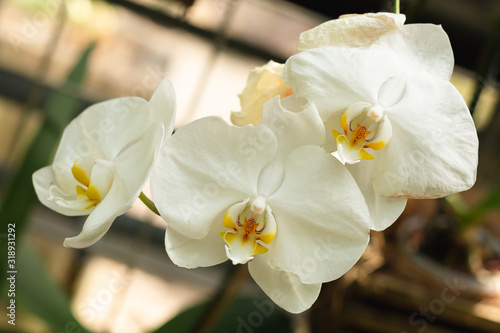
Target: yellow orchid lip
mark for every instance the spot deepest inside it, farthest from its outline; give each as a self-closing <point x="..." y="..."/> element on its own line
<point x="364" y="126"/>
<point x="253" y="228"/>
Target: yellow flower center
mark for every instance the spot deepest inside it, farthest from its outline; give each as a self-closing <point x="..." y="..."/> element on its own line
<point x="94" y="179"/>
<point x="373" y="130"/>
<point x="360" y="133"/>
<point x="252" y="229"/>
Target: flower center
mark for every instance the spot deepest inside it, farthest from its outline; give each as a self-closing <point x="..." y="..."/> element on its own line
<point x="252" y="229"/>
<point x="360" y="133"/>
<point x="94" y="179"/>
<point x="373" y="130"/>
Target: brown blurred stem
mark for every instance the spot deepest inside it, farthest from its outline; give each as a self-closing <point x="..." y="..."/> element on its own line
<point x="225" y="295"/>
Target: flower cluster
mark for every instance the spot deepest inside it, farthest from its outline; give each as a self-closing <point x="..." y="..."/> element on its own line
<point x="327" y="147"/>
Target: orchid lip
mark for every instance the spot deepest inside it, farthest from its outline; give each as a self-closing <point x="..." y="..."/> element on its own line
<point x="93" y="177"/>
<point x="252" y="230"/>
<point x="364" y="126"/>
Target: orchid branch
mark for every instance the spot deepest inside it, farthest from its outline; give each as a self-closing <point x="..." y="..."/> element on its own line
<point x="149" y="203"/>
<point x="396" y="6"/>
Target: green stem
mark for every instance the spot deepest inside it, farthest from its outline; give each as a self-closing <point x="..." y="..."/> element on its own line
<point x="225" y="295"/>
<point x="396" y="6"/>
<point x="149" y="203"/>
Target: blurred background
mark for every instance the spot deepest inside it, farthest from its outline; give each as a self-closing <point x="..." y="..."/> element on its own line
<point x="437" y="269"/>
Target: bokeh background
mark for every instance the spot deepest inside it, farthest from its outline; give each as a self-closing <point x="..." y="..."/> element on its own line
<point x="435" y="270"/>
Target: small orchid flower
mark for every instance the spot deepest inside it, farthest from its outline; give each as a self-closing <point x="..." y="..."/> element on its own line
<point x="263" y="83"/>
<point x="405" y="134"/>
<point x="103" y="160"/>
<point x="266" y="195"/>
<point x="419" y="47"/>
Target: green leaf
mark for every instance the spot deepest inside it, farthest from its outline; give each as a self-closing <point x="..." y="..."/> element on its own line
<point x="59" y="110"/>
<point x="20" y="196"/>
<point x="490" y="202"/>
<point x="38" y="293"/>
<point x="244" y="315"/>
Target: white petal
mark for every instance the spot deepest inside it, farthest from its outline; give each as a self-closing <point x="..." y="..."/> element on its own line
<point x="135" y="163"/>
<point x="285" y="289"/>
<point x="206" y="167"/>
<point x="97" y="224"/>
<point x="163" y="105"/>
<point x="383" y="211"/>
<point x="422" y="47"/>
<point x="334" y="78"/>
<point x="322" y="221"/>
<point x="263" y="83"/>
<point x="191" y="253"/>
<point x="434" y="146"/>
<point x="292" y="130"/>
<point x="100" y="180"/>
<point x="104" y="129"/>
<point x="350" y="31"/>
<point x="43" y="180"/>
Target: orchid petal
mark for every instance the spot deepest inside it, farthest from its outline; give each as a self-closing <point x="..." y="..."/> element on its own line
<point x="163" y="105"/>
<point x="351" y="31"/>
<point x="206" y="167"/>
<point x="321" y="76"/>
<point x="100" y="181"/>
<point x="292" y="130"/>
<point x="383" y="211"/>
<point x="285" y="289"/>
<point x="320" y="199"/>
<point x="436" y="149"/>
<point x="263" y="83"/>
<point x="104" y="129"/>
<point x="191" y="253"/>
<point x="139" y="157"/>
<point x="422" y="48"/>
<point x="43" y="181"/>
<point x="99" y="221"/>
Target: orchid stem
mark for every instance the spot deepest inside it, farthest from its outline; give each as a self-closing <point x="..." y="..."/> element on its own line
<point x="149" y="203"/>
<point x="396" y="6"/>
<point x="225" y="295"/>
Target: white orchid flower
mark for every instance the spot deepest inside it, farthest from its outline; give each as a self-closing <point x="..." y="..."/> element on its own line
<point x="267" y="195"/>
<point x="419" y="47"/>
<point x="263" y="83"/>
<point x="103" y="160"/>
<point x="410" y="133"/>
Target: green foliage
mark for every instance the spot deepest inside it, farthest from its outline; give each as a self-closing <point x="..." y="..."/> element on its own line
<point x="59" y="110"/>
<point x="472" y="216"/>
<point x="35" y="290"/>
<point x="39" y="294"/>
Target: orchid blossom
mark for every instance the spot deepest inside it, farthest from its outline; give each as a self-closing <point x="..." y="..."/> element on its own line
<point x="263" y="83"/>
<point x="419" y="47"/>
<point x="406" y="133"/>
<point x="103" y="160"/>
<point x="267" y="195"/>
